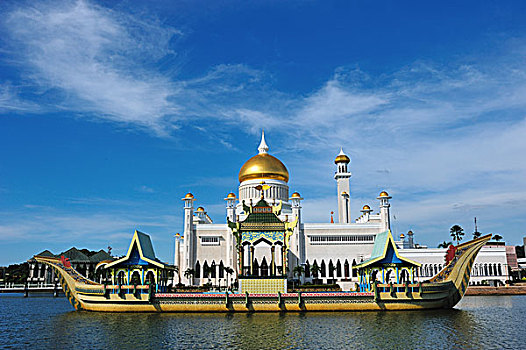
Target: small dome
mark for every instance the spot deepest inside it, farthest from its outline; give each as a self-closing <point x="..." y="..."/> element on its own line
<point x="366" y="207"/>
<point x="295" y="195"/>
<point x="383" y="194"/>
<point x="342" y="158"/>
<point x="200" y="209"/>
<point x="402" y="236"/>
<point x="231" y="195"/>
<point x="189" y="196"/>
<point x="344" y="193"/>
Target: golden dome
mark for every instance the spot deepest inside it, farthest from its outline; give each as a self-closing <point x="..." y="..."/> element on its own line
<point x="200" y="209"/>
<point x="189" y="196"/>
<point x="366" y="207"/>
<point x="295" y="195"/>
<point x="231" y="195"/>
<point x="383" y="194"/>
<point x="263" y="166"/>
<point x="402" y="236"/>
<point x="342" y="158"/>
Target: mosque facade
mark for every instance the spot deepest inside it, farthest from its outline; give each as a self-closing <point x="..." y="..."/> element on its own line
<point x="265" y="235"/>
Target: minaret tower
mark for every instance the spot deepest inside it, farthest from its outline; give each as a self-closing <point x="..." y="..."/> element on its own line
<point x="384" y="210"/>
<point x="342" y="177"/>
<point x="231" y="216"/>
<point x="189" y="236"/>
<point x="299" y="237"/>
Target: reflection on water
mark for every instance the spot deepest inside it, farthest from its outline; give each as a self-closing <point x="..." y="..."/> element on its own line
<point x="478" y="322"/>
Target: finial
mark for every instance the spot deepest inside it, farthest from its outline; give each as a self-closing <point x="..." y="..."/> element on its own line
<point x="341" y="152"/>
<point x="263" y="148"/>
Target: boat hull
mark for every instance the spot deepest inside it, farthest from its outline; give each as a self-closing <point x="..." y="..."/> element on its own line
<point x="444" y="290"/>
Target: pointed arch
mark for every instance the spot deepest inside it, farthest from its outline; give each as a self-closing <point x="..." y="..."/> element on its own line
<point x="346" y="269"/>
<point x="322" y="268"/>
<point x="213" y="269"/>
<point x="354" y="271"/>
<point x="331" y="269"/>
<point x="221" y="269"/>
<point x="206" y="270"/>
<point x="197" y="270"/>
<point x="338" y="269"/>
<point x="307" y="269"/>
<point x="255" y="267"/>
<point x="264" y="267"/>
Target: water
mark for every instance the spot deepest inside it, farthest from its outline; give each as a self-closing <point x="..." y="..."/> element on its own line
<point x="495" y="322"/>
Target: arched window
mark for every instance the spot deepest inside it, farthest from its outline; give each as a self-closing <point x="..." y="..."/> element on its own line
<point x="307" y="269"/>
<point x="213" y="270"/>
<point x="354" y="271"/>
<point x="486" y="273"/>
<point x="346" y="269"/>
<point x="221" y="269"/>
<point x="264" y="267"/>
<point x="206" y="270"/>
<point x="338" y="268"/>
<point x="331" y="268"/>
<point x="499" y="270"/>
<point x="495" y="272"/>
<point x="322" y="268"/>
<point x="197" y="270"/>
<point x="255" y="268"/>
<point x="315" y="269"/>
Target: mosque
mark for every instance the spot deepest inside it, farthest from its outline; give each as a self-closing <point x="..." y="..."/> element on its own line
<point x="265" y="236"/>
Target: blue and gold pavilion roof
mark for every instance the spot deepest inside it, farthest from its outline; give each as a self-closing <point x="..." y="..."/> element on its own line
<point x="385" y="252"/>
<point x="140" y="252"/>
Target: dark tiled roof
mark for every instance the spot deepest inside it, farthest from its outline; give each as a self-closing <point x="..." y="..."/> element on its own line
<point x="46" y="253"/>
<point x="101" y="255"/>
<point x="75" y="255"/>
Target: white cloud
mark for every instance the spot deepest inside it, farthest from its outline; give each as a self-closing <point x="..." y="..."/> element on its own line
<point x="95" y="58"/>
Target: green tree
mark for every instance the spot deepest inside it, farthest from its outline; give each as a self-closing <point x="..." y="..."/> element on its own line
<point x="315" y="270"/>
<point x="189" y="273"/>
<point x="476" y="234"/>
<point x="444" y="244"/>
<point x="229" y="271"/>
<point x="497" y="237"/>
<point x="297" y="271"/>
<point x="457" y="233"/>
<point x="332" y="271"/>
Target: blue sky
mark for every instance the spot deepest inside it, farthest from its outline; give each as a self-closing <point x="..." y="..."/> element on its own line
<point x="111" y="111"/>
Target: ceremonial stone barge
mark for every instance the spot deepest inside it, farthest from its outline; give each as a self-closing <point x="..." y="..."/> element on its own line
<point x="137" y="282"/>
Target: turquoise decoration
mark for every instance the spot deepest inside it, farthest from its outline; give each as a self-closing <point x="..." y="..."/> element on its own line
<point x="272" y="236"/>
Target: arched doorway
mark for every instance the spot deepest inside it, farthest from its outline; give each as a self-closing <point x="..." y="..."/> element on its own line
<point x="150" y="278"/>
<point x="135" y="278"/>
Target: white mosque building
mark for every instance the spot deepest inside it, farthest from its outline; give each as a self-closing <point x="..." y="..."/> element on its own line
<point x="276" y="244"/>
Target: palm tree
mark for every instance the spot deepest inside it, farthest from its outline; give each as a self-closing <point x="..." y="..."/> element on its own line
<point x="476" y="234"/>
<point x="456" y="232"/>
<point x="176" y="271"/>
<point x="228" y="271"/>
<point x="444" y="244"/>
<point x="206" y="272"/>
<point x="297" y="271"/>
<point x="189" y="273"/>
<point x="315" y="270"/>
<point x="332" y="269"/>
<point x="497" y="237"/>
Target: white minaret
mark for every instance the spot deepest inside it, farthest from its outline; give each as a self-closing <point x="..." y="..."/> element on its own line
<point x="189" y="236"/>
<point x="177" y="258"/>
<point x="384" y="210"/>
<point x="342" y="177"/>
<point x="299" y="236"/>
<point x="231" y="216"/>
